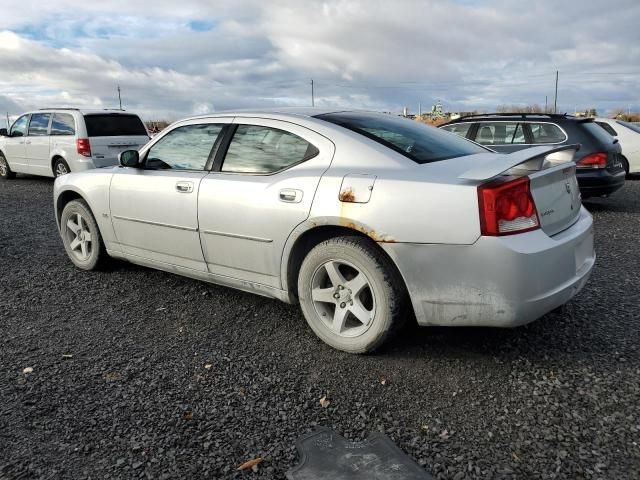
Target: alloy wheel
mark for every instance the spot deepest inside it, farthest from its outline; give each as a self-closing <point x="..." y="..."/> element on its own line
<point x="79" y="237"/>
<point x="343" y="298"/>
<point x="61" y="169"/>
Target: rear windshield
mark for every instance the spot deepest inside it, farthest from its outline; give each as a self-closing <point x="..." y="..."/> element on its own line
<point x="113" y="125"/>
<point x="598" y="132"/>
<point x="415" y="140"/>
<point x="633" y="126"/>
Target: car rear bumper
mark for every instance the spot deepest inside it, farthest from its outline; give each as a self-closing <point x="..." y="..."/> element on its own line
<point x="497" y="281"/>
<point x="599" y="181"/>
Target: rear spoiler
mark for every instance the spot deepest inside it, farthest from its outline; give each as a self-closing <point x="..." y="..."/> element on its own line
<point x="528" y="159"/>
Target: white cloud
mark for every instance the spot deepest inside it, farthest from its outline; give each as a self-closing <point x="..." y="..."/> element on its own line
<point x="362" y="54"/>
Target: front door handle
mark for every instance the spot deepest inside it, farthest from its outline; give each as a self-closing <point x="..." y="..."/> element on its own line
<point x="290" y="195"/>
<point x="184" y="187"/>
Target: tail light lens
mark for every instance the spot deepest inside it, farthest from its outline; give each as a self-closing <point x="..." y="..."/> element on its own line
<point x="83" y="147"/>
<point x="507" y="207"/>
<point x="594" y="160"/>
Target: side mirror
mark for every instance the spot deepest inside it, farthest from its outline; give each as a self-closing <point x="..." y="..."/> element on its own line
<point x="129" y="158"/>
<point x="3" y="132"/>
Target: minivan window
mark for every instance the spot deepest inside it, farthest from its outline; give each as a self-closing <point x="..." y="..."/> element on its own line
<point x="19" y="127"/>
<point x="257" y="149"/>
<point x="63" y="124"/>
<point x="633" y="126"/>
<point x="184" y="148"/>
<point x="114" y="125"/>
<point x="39" y="124"/>
<point x="414" y="140"/>
<point x="546" y="133"/>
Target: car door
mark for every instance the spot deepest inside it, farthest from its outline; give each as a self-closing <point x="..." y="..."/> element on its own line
<point x="257" y="194"/>
<point x="503" y="136"/>
<point x="37" y="144"/>
<point x="15" y="148"/>
<point x="154" y="208"/>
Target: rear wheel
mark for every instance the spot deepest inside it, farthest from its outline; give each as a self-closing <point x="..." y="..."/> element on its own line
<point x="625" y="165"/>
<point x="60" y="167"/>
<point x="80" y="235"/>
<point x="5" y="170"/>
<point x="351" y="294"/>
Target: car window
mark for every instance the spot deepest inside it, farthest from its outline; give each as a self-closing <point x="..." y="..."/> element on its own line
<point x="500" y="133"/>
<point x="415" y="140"/>
<point x="546" y="133"/>
<point x="458" y="128"/>
<point x="608" y="128"/>
<point x="633" y="126"/>
<point x="114" y="125"/>
<point x="19" y="127"/>
<point x="257" y="149"/>
<point x="184" y="148"/>
<point x="597" y="132"/>
<point x="39" y="124"/>
<point x="63" y="124"/>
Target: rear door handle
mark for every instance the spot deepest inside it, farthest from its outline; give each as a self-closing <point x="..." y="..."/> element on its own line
<point x="184" y="187"/>
<point x="28" y="142"/>
<point x="290" y="195"/>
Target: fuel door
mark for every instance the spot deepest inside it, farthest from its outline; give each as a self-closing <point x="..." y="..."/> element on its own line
<point x="356" y="188"/>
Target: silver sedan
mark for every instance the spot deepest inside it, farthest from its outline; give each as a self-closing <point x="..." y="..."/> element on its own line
<point x="358" y="217"/>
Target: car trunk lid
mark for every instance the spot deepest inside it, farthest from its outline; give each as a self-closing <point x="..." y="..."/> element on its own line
<point x="552" y="180"/>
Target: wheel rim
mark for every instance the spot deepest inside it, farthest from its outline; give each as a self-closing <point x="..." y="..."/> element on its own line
<point x="79" y="237"/>
<point x="343" y="298"/>
<point x="61" y="169"/>
<point x="4" y="168"/>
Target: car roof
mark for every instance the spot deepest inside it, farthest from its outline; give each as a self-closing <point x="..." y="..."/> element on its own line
<point x="540" y="117"/>
<point x="83" y="111"/>
<point x="298" y="112"/>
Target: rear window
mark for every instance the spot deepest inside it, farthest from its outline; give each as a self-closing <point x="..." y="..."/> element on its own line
<point x="547" y="133"/>
<point x="114" y="125"/>
<point x="458" y="128"/>
<point x="415" y="140"/>
<point x="597" y="132"/>
<point x="608" y="128"/>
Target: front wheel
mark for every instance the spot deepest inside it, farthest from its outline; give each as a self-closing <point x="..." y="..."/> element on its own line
<point x="351" y="294"/>
<point x="80" y="235"/>
<point x="5" y="170"/>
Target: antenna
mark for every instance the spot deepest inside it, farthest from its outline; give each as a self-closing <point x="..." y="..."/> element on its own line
<point x="312" y="99"/>
<point x="119" y="98"/>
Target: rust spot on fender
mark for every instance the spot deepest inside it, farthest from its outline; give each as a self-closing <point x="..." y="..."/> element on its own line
<point x="375" y="236"/>
<point x="347" y="195"/>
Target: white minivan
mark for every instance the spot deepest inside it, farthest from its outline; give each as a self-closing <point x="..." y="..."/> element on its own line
<point x="53" y="142"/>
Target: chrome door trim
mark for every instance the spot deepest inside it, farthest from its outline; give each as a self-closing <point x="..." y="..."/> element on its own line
<point x="157" y="224"/>
<point x="235" y="235"/>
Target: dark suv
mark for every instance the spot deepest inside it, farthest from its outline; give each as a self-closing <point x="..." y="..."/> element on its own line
<point x="599" y="168"/>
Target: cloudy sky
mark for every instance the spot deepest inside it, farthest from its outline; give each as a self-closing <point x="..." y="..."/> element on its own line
<point x="174" y="59"/>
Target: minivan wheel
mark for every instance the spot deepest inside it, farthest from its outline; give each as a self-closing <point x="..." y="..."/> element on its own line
<point x="5" y="170"/>
<point x="351" y="294"/>
<point x="80" y="235"/>
<point x="60" y="167"/>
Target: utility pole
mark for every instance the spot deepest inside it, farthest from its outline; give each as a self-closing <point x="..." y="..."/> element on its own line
<point x="119" y="98"/>
<point x="555" y="100"/>
<point x="419" y="109"/>
<point x="8" y="121"/>
<point x="312" y="99"/>
<point x="545" y="104"/>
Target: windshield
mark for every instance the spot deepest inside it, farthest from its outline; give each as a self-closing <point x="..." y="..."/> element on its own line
<point x="630" y="126"/>
<point x="415" y="140"/>
<point x="114" y="125"/>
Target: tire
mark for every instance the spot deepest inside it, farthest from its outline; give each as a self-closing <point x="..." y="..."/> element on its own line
<point x="60" y="167"/>
<point x="625" y="165"/>
<point x="85" y="251"/>
<point x="5" y="170"/>
<point x="330" y="291"/>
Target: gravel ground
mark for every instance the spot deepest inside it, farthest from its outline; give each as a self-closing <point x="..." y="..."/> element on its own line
<point x="139" y="373"/>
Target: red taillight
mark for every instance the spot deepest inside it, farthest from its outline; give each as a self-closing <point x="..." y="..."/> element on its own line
<point x="507" y="207"/>
<point x="84" y="147"/>
<point x="594" y="160"/>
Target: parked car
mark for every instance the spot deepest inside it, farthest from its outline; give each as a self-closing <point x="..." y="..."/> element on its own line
<point x="628" y="135"/>
<point x="54" y="142"/>
<point x="356" y="216"/>
<point x="599" y="164"/>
